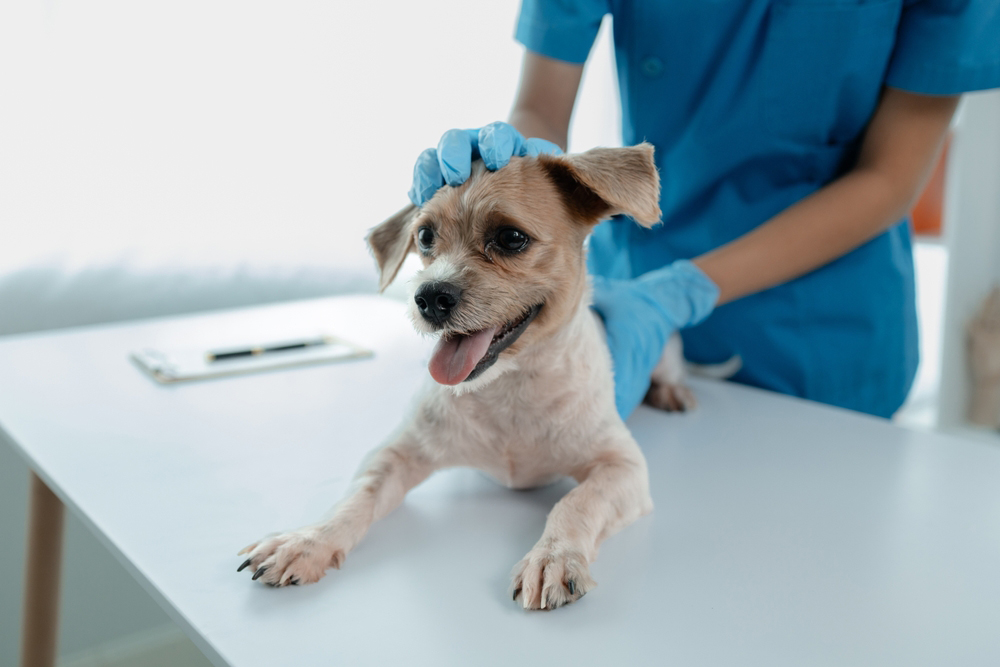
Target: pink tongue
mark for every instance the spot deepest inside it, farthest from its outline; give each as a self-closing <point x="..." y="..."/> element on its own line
<point x="456" y="356"/>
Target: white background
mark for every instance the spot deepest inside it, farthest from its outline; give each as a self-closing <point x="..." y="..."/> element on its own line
<point x="211" y="133"/>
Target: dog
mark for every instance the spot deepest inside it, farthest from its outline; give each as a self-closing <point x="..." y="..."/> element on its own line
<point x="523" y="387"/>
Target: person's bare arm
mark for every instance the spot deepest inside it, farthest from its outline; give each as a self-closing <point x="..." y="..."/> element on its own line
<point x="545" y="98"/>
<point x="897" y="156"/>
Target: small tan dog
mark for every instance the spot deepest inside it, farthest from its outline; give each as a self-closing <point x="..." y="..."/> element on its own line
<point x="524" y="387"/>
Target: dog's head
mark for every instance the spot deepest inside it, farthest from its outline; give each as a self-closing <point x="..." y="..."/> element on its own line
<point x="503" y="253"/>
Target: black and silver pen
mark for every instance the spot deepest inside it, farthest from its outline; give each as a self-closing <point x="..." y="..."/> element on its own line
<point x="225" y="355"/>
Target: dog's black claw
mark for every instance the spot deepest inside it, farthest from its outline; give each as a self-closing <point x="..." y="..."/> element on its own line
<point x="293" y="582"/>
<point x="571" y="585"/>
<point x="242" y="567"/>
<point x="259" y="573"/>
<point x="516" y="593"/>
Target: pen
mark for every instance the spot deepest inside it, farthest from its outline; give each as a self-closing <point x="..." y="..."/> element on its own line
<point x="224" y="355"/>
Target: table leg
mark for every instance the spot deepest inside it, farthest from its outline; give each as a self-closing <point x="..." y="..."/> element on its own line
<point x="41" y="581"/>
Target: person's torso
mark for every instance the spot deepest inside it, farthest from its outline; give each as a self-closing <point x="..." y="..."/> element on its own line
<point x="753" y="105"/>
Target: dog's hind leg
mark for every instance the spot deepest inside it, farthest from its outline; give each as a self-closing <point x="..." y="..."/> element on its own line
<point x="303" y="556"/>
<point x="667" y="388"/>
<point x="613" y="492"/>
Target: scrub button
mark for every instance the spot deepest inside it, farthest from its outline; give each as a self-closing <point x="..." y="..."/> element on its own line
<point x="652" y="66"/>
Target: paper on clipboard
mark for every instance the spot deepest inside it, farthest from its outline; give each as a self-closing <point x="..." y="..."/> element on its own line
<point x="178" y="365"/>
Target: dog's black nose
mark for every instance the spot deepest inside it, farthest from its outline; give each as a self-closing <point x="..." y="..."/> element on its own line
<point x="437" y="300"/>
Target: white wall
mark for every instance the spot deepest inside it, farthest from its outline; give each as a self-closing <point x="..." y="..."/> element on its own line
<point x="972" y="227"/>
<point x="203" y="132"/>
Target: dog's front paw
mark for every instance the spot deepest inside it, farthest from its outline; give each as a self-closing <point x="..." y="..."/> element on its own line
<point x="298" y="557"/>
<point x="549" y="577"/>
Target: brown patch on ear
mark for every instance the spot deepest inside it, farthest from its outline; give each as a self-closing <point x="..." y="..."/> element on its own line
<point x="390" y="242"/>
<point x="606" y="181"/>
<point x="579" y="199"/>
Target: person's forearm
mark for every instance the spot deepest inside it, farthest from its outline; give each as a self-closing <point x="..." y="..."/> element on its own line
<point x="897" y="155"/>
<point x="817" y="230"/>
<point x="532" y="124"/>
<point x="545" y="98"/>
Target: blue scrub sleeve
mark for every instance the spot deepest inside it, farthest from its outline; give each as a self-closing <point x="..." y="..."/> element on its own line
<point x="560" y="29"/>
<point x="946" y="47"/>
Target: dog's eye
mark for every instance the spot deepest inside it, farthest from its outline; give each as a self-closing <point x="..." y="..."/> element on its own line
<point x="511" y="240"/>
<point x="425" y="237"/>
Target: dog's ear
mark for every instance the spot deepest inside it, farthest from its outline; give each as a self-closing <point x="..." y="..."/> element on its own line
<point x="606" y="181"/>
<point x="390" y="242"/>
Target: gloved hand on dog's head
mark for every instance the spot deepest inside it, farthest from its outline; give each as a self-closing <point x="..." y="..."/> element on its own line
<point x="639" y="317"/>
<point x="451" y="161"/>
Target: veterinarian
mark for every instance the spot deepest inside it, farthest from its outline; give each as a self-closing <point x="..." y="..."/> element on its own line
<point x="792" y="138"/>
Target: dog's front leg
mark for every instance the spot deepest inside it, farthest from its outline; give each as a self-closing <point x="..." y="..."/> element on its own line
<point x="613" y="492"/>
<point x="303" y="556"/>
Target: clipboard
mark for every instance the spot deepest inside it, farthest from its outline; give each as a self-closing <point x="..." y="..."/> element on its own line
<point x="168" y="366"/>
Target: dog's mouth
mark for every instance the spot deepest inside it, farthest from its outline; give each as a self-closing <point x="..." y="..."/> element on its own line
<point x="462" y="357"/>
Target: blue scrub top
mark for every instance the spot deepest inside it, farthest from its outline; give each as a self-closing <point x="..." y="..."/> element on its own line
<point x="753" y="105"/>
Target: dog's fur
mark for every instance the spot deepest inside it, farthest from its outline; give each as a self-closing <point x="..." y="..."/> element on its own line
<point x="546" y="408"/>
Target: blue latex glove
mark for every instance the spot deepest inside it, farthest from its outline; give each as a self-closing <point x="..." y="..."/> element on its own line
<point x="451" y="161"/>
<point x="639" y="317"/>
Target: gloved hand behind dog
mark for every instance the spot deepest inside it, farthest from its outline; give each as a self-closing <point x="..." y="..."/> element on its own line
<point x="640" y="316"/>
